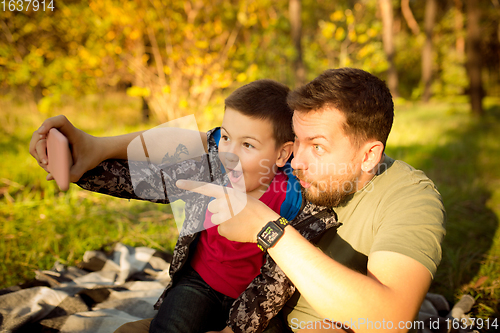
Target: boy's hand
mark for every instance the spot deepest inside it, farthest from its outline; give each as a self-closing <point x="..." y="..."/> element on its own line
<point x="240" y="217"/>
<point x="84" y="148"/>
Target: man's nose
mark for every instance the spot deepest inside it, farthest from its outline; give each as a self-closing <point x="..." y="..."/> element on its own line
<point x="299" y="161"/>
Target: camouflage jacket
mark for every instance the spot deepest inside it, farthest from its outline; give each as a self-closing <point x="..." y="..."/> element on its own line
<point x="269" y="291"/>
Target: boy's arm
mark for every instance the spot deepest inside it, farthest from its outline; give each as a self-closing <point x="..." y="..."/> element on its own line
<point x="148" y="181"/>
<point x="88" y="151"/>
<point x="144" y="181"/>
<point x="112" y="177"/>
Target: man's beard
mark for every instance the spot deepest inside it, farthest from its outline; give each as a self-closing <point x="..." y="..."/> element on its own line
<point x="331" y="194"/>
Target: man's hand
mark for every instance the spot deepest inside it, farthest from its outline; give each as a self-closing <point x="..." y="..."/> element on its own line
<point x="240" y="216"/>
<point x="84" y="147"/>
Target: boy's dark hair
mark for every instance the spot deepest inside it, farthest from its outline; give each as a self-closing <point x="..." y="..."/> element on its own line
<point x="265" y="99"/>
<point x="361" y="97"/>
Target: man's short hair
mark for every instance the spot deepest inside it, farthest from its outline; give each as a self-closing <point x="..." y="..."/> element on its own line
<point x="265" y="99"/>
<point x="361" y="97"/>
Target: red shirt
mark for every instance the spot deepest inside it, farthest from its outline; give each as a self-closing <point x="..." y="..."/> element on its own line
<point x="227" y="266"/>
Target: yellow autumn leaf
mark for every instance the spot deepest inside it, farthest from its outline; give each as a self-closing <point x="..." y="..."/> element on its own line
<point x="363" y="38"/>
<point x="201" y="44"/>
<point x="352" y="35"/>
<point x="183" y="104"/>
<point x="135" y="34"/>
<point x="338" y="15"/>
<point x="340" y="34"/>
<point x="241" y="77"/>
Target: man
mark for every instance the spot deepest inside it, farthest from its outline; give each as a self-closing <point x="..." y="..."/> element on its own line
<point x="373" y="274"/>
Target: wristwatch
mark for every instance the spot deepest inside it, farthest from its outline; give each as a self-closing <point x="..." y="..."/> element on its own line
<point x="271" y="233"/>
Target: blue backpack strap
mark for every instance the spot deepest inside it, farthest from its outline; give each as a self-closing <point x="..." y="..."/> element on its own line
<point x="216" y="135"/>
<point x="293" y="200"/>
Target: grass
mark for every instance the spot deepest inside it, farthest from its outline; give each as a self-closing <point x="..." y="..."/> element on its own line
<point x="40" y="225"/>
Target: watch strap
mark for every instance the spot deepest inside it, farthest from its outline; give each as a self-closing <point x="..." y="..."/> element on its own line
<point x="281" y="222"/>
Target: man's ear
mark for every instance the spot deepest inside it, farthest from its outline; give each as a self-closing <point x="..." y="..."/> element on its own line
<point x="285" y="151"/>
<point x="372" y="154"/>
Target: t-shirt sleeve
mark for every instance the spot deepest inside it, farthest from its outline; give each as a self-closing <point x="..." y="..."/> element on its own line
<point x="412" y="222"/>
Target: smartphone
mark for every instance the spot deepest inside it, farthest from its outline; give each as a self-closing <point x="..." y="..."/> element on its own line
<point x="59" y="158"/>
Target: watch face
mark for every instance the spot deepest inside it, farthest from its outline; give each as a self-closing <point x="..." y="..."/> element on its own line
<point x="270" y="234"/>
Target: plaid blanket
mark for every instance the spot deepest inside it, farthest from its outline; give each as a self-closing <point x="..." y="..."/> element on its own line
<point x="104" y="292"/>
<point x="108" y="290"/>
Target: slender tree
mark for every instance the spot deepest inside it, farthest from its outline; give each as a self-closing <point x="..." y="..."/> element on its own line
<point x="459" y="27"/>
<point x="473" y="52"/>
<point x="429" y="22"/>
<point x="295" y="8"/>
<point x="388" y="41"/>
<point x="408" y="15"/>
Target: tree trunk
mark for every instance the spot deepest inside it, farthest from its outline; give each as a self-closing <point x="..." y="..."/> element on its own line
<point x="408" y="15"/>
<point x="139" y="76"/>
<point x="388" y="41"/>
<point x="429" y="21"/>
<point x="145" y="111"/>
<point x="295" y="8"/>
<point x="459" y="27"/>
<point x="473" y="52"/>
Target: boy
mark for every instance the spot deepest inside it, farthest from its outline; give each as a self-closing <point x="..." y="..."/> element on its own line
<point x="218" y="284"/>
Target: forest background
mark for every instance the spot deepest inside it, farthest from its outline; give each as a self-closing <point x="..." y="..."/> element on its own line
<point x="118" y="66"/>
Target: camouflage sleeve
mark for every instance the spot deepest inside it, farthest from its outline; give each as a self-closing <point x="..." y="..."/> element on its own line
<point x="143" y="181"/>
<point x="264" y="297"/>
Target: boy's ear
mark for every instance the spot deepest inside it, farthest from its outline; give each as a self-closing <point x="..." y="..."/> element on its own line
<point x="285" y="151"/>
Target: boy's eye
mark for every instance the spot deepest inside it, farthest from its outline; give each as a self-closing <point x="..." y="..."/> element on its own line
<point x="224" y="138"/>
<point x="247" y="145"/>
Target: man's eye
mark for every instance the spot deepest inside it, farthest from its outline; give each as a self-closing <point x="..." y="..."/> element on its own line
<point x="318" y="148"/>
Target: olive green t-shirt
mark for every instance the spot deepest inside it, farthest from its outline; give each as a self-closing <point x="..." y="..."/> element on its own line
<point x="399" y="210"/>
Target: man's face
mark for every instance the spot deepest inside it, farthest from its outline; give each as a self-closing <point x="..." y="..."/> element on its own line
<point x="325" y="161"/>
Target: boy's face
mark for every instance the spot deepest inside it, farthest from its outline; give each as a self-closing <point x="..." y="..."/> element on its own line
<point x="248" y="151"/>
